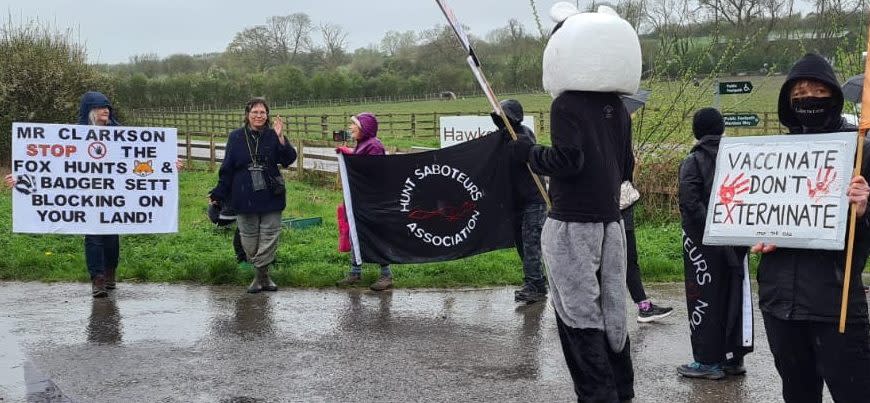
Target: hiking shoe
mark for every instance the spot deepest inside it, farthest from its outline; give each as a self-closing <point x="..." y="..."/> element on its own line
<point x="530" y="294"/>
<point x="110" y="278"/>
<point x="654" y="312"/>
<point x="383" y="283"/>
<point x="98" y="287"/>
<point x="734" y="366"/>
<point x="350" y="279"/>
<point x="703" y="371"/>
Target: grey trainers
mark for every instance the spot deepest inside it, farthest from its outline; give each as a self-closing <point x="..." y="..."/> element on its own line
<point x="98" y="287"/>
<point x="383" y="283"/>
<point x="350" y="279"/>
<point x="704" y="371"/>
<point x="654" y="312"/>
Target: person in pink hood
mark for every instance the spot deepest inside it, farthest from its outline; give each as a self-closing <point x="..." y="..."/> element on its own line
<point x="364" y="129"/>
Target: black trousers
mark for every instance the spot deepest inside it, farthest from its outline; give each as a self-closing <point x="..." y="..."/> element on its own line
<point x="599" y="373"/>
<point x="632" y="271"/>
<point x="808" y="353"/>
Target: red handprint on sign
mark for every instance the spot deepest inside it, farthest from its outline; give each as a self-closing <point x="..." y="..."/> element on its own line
<point x="728" y="192"/>
<point x="823" y="185"/>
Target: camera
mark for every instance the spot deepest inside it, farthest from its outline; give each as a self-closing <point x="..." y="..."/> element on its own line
<point x="340" y="135"/>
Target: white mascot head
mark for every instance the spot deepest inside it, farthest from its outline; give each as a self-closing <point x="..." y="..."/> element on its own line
<point x="597" y="52"/>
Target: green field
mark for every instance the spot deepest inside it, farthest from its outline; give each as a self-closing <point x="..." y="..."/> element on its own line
<point x="200" y="253"/>
<point x="666" y="120"/>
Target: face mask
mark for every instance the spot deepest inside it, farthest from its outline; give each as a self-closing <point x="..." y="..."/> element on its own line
<point x="813" y="112"/>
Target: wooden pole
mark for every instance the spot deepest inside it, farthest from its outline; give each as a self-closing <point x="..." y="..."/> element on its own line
<point x="863" y="126"/>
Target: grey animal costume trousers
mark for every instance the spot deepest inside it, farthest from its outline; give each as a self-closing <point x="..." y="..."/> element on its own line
<point x="587" y="263"/>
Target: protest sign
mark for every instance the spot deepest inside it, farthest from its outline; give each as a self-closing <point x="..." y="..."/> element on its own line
<point x="459" y="129"/>
<point x="76" y="179"/>
<point x="786" y="190"/>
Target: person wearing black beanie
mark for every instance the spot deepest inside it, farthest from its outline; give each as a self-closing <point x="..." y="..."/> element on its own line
<point x="717" y="277"/>
<point x="707" y="122"/>
<point x="800" y="290"/>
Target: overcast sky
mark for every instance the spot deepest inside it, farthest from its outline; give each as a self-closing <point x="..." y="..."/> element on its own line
<point x="114" y="30"/>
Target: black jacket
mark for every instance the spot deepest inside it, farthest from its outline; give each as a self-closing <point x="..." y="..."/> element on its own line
<point x="804" y="284"/>
<point x="590" y="157"/>
<point x="696" y="184"/>
<point x="234" y="179"/>
<point x="524" y="189"/>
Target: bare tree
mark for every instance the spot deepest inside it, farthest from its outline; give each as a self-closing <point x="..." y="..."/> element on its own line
<point x="334" y="43"/>
<point x="738" y="13"/>
<point x="253" y="46"/>
<point x="300" y="28"/>
<point x="396" y="44"/>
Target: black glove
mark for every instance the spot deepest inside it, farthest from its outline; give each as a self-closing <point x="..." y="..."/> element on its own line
<point x="519" y="149"/>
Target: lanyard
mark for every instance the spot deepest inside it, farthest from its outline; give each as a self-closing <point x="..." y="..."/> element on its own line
<point x="256" y="149"/>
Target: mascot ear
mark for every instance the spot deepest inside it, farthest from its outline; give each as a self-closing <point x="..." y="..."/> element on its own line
<point x="607" y="10"/>
<point x="562" y="10"/>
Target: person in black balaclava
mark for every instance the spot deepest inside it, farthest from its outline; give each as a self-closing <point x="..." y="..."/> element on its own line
<point x="530" y="211"/>
<point x="800" y="290"/>
<point x="717" y="277"/>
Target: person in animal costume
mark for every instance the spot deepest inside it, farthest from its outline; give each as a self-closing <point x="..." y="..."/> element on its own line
<point x="589" y="61"/>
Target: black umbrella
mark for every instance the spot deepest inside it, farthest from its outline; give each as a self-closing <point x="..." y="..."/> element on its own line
<point x="635" y="101"/>
<point x="852" y="88"/>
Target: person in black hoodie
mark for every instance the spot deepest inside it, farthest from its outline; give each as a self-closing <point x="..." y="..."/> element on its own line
<point x="530" y="211"/>
<point x="800" y="290"/>
<point x="717" y="277"/>
<point x="250" y="181"/>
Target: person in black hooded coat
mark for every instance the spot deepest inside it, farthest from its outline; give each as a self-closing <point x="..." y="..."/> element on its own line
<point x="800" y="290"/>
<point x="530" y="210"/>
<point x="720" y="318"/>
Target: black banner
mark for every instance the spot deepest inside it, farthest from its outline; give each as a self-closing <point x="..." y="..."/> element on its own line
<point x="431" y="206"/>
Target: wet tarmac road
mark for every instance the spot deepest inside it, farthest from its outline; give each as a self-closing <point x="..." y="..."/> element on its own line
<point x="186" y="343"/>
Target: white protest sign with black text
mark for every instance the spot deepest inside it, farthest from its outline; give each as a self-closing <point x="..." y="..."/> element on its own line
<point x="459" y="129"/>
<point x="786" y="190"/>
<point x="74" y="179"/>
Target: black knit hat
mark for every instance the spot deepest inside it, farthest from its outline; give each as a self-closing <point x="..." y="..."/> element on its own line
<point x="707" y="122"/>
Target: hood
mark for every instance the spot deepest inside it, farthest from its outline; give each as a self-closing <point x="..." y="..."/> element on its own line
<point x="94" y="99"/>
<point x="368" y="125"/>
<point x="811" y="66"/>
<point x="513" y="111"/>
<point x="708" y="145"/>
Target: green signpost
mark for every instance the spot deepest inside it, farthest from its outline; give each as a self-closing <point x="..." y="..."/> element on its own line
<point x="741" y="120"/>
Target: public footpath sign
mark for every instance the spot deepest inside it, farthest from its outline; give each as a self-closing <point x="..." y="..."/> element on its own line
<point x="741" y="119"/>
<point x="735" y="87"/>
<point x="786" y="190"/>
<point x="75" y="179"/>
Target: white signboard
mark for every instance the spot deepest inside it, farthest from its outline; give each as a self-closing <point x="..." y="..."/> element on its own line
<point x="459" y="129"/>
<point x="786" y="190"/>
<point x="73" y="179"/>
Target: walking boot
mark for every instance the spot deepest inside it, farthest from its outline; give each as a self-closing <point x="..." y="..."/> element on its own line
<point x="350" y="279"/>
<point x="383" y="283"/>
<point x="110" y="278"/>
<point x="255" y="286"/>
<point x="266" y="282"/>
<point x="98" y="287"/>
<point x="530" y="294"/>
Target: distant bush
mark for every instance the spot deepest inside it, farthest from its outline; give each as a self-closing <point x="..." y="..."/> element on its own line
<point x="42" y="76"/>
